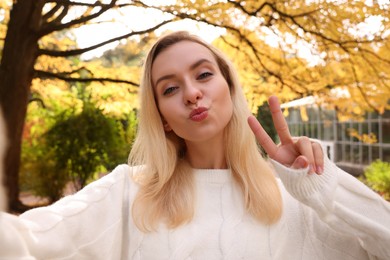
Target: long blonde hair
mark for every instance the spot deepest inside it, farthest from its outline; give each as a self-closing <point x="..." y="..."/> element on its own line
<point x="167" y="187"/>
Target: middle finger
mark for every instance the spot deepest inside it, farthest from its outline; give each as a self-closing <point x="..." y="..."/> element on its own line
<point x="279" y="121"/>
<point x="305" y="148"/>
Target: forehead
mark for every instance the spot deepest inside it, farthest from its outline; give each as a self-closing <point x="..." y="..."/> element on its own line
<point x="180" y="55"/>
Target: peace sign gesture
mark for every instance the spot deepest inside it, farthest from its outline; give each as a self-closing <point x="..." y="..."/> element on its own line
<point x="296" y="153"/>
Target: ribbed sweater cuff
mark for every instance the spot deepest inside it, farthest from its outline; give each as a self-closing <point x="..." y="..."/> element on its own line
<point x="304" y="186"/>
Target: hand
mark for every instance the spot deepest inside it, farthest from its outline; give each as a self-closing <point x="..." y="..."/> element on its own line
<point x="295" y="153"/>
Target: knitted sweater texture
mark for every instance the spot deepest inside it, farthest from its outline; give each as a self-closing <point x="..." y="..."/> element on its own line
<point x="329" y="216"/>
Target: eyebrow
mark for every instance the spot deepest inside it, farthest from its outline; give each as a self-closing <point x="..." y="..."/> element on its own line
<point x="192" y="67"/>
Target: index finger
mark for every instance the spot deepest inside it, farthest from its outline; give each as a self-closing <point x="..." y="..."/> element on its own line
<point x="279" y="121"/>
<point x="262" y="137"/>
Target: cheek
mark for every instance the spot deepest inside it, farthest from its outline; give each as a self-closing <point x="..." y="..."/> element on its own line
<point x="167" y="111"/>
<point x="228" y="103"/>
<point x="162" y="108"/>
<point x="226" y="96"/>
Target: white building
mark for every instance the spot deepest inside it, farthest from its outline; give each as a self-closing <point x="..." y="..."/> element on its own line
<point x="345" y="150"/>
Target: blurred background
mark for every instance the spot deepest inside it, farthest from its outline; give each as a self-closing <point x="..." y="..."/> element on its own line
<point x="70" y="72"/>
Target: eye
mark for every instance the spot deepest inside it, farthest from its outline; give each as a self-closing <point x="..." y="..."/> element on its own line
<point x="204" y="75"/>
<point x="169" y="90"/>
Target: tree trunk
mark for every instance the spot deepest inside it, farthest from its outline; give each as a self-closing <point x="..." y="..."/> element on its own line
<point x="16" y="73"/>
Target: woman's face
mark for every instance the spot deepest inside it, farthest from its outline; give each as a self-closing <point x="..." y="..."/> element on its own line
<point x="192" y="95"/>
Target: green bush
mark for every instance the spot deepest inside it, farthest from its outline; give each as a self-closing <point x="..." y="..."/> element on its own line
<point x="40" y="175"/>
<point x="75" y="148"/>
<point x="377" y="176"/>
<point x="86" y="144"/>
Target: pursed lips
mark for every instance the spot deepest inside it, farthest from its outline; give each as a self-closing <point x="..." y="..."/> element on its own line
<point x="198" y="114"/>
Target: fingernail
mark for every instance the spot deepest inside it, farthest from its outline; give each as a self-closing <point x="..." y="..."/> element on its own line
<point x="320" y="169"/>
<point x="302" y="163"/>
<point x="312" y="169"/>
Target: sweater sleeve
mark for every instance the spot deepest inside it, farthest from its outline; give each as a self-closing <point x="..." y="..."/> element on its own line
<point x="86" y="225"/>
<point x="344" y="203"/>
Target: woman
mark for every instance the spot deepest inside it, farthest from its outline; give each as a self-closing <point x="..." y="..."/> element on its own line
<point x="196" y="186"/>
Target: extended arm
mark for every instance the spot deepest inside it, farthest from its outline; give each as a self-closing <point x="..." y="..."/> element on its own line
<point x="87" y="224"/>
<point x="342" y="202"/>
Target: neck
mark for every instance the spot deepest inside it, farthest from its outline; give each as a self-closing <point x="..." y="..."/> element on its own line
<point x="207" y="155"/>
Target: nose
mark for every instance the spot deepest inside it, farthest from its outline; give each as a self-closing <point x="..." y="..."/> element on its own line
<point x="192" y="93"/>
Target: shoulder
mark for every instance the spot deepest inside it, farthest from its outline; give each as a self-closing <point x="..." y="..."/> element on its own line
<point x="117" y="179"/>
<point x="121" y="173"/>
<point x="125" y="176"/>
<point x="107" y="191"/>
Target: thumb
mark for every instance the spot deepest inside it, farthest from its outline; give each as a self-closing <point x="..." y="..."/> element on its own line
<point x="300" y="162"/>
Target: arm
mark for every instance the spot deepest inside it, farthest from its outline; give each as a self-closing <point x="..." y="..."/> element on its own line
<point x="87" y="224"/>
<point x="12" y="244"/>
<point x="345" y="204"/>
<point x="341" y="201"/>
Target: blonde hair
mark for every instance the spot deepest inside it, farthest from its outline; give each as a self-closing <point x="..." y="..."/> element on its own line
<point x="167" y="189"/>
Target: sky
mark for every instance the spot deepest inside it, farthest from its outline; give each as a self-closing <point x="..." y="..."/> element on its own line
<point x="135" y="19"/>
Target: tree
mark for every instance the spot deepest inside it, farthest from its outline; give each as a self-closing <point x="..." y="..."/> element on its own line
<point x="29" y="22"/>
<point x="267" y="40"/>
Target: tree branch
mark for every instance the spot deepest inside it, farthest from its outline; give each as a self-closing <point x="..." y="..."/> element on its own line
<point x="242" y="8"/>
<point x="62" y="76"/>
<point x="50" y="27"/>
<point x="61" y="16"/>
<point x="75" y="52"/>
<point x="357" y="82"/>
<point x="316" y="33"/>
<point x="39" y="100"/>
<point x="232" y="29"/>
<point x="51" y="12"/>
<point x="74" y="3"/>
<point x="376" y="71"/>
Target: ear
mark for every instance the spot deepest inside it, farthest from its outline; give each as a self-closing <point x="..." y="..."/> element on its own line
<point x="167" y="128"/>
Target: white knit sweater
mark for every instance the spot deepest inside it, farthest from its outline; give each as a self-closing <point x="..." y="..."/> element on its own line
<point x="331" y="216"/>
